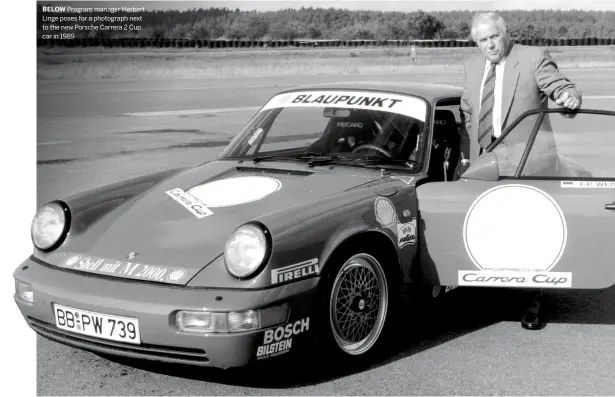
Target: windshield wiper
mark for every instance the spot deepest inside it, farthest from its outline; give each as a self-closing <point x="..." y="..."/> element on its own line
<point x="317" y="158"/>
<point x="258" y="158"/>
<point x="387" y="160"/>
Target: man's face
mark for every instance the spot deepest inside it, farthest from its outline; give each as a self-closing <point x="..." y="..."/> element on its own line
<point x="490" y="41"/>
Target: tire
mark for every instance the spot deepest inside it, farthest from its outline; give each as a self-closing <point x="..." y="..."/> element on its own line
<point x="354" y="320"/>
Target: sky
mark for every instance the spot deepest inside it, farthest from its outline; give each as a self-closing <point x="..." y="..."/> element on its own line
<point x="405" y="5"/>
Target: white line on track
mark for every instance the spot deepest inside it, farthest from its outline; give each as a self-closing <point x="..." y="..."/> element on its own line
<point x="192" y="112"/>
<point x="51" y="143"/>
<point x="599" y="97"/>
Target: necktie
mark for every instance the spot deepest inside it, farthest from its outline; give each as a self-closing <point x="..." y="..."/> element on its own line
<point x="485" y="122"/>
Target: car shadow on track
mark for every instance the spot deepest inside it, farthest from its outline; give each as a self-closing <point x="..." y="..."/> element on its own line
<point x="422" y="326"/>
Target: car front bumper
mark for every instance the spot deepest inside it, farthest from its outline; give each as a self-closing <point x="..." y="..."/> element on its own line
<point x="154" y="306"/>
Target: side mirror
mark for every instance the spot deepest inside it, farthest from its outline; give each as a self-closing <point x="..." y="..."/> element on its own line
<point x="485" y="168"/>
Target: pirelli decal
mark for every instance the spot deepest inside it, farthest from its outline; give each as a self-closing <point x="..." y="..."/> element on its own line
<point x="406" y="105"/>
<point x="295" y="272"/>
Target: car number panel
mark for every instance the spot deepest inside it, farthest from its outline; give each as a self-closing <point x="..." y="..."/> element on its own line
<point x="97" y="325"/>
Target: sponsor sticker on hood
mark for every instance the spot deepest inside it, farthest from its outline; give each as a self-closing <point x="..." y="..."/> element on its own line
<point x="124" y="269"/>
<point x="224" y="193"/>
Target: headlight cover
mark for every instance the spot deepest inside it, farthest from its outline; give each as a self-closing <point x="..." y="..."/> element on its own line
<point x="246" y="250"/>
<point x="49" y="226"/>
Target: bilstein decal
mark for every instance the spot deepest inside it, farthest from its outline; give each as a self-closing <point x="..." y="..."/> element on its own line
<point x="369" y="100"/>
<point x="515" y="235"/>
<point x="280" y="340"/>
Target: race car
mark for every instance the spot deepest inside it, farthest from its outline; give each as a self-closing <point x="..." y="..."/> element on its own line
<point x="308" y="226"/>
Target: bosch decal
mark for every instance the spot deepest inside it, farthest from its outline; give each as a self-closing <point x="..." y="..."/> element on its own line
<point x="279" y="341"/>
<point x="295" y="272"/>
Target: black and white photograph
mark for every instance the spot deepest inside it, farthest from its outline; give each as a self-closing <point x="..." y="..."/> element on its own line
<point x="310" y="197"/>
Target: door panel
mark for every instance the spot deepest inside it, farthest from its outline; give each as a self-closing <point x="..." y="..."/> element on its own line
<point x="546" y="216"/>
<point x="516" y="233"/>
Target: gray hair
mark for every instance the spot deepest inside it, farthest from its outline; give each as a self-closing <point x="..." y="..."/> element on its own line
<point x="488" y="17"/>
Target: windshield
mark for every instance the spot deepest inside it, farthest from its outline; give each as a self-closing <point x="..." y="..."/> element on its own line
<point x="346" y="125"/>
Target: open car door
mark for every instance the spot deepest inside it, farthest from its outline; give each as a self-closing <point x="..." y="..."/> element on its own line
<point x="536" y="210"/>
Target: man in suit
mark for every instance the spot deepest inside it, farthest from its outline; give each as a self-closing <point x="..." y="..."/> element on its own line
<point x="502" y="82"/>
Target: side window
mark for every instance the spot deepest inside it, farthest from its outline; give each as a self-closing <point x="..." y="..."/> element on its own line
<point x="578" y="147"/>
<point x="582" y="146"/>
<point x="509" y="151"/>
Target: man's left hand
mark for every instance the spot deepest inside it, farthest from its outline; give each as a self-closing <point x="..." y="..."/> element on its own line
<point x="570" y="100"/>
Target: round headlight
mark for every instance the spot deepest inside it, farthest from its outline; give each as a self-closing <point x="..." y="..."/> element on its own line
<point x="48" y="226"/>
<point x="245" y="250"/>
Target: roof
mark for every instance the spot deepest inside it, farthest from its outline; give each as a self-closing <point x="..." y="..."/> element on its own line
<point x="428" y="91"/>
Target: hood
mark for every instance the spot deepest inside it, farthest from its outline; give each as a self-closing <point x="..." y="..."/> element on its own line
<point x="183" y="223"/>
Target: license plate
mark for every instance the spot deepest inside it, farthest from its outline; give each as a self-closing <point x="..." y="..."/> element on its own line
<point x="98" y="325"/>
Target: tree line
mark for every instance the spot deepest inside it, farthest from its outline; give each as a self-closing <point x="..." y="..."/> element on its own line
<point x="333" y="23"/>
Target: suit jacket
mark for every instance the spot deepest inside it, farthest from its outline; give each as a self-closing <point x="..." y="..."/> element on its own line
<point x="530" y="79"/>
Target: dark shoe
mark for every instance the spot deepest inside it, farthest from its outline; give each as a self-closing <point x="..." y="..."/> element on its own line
<point x="532" y="321"/>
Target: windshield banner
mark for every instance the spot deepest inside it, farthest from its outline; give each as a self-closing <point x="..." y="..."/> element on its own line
<point x="369" y="100"/>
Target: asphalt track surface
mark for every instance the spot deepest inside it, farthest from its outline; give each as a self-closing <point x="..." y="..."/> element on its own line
<point x="94" y="133"/>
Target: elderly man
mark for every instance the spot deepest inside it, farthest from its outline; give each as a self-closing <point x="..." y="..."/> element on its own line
<point x="502" y="82"/>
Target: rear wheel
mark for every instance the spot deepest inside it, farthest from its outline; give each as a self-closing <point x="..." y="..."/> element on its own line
<point x="359" y="303"/>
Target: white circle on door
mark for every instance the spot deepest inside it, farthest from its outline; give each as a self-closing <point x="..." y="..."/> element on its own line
<point x="515" y="227"/>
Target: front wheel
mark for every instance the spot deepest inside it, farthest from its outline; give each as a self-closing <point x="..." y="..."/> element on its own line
<point x="359" y="302"/>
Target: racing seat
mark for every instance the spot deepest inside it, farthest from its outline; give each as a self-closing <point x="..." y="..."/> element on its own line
<point x="345" y="134"/>
<point x="445" y="147"/>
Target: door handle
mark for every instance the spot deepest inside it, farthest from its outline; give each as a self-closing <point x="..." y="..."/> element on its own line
<point x="610" y="206"/>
